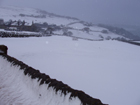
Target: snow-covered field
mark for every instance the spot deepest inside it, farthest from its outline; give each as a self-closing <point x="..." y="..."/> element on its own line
<point x="107" y="70"/>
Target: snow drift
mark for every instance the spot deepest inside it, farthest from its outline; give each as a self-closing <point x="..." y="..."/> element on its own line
<point x="23" y="85"/>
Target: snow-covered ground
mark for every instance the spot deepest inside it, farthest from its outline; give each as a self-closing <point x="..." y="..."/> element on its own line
<point x="107" y="70"/>
<point x="94" y="35"/>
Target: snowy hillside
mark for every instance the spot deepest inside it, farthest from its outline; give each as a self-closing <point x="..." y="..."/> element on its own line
<point x="107" y="70"/>
<point x="61" y="25"/>
<point x="38" y="16"/>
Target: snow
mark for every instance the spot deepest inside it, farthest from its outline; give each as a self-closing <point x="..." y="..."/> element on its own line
<point x="95" y="32"/>
<point x="92" y="35"/>
<point x="83" y="34"/>
<point x="77" y="25"/>
<point x="73" y="25"/>
<point x="10" y="12"/>
<point x="107" y="70"/>
<point x="96" y="28"/>
<point x="18" y="89"/>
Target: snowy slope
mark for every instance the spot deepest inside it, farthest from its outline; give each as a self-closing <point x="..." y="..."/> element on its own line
<point x="107" y="70"/>
<point x="14" y="13"/>
<point x="75" y="26"/>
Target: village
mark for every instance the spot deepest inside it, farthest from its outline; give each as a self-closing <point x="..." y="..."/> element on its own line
<point x="14" y="28"/>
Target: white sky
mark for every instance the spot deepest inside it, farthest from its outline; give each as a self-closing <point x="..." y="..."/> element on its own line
<point x="98" y="11"/>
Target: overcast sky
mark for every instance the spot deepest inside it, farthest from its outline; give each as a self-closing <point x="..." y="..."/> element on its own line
<point x="97" y="11"/>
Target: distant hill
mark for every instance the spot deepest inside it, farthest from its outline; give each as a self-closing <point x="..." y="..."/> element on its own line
<point x="15" y="21"/>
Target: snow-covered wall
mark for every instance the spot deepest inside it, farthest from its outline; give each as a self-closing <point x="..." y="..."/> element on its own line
<point x="23" y="85"/>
